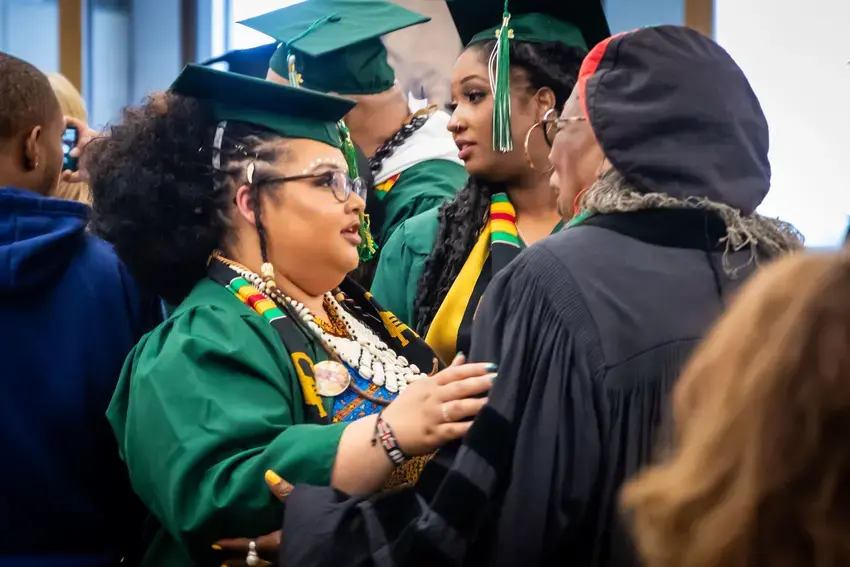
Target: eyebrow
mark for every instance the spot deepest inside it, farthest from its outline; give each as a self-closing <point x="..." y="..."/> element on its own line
<point x="470" y="78"/>
<point x="323" y="166"/>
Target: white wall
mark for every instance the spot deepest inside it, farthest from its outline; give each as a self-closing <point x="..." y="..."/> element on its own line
<point x="796" y="60"/>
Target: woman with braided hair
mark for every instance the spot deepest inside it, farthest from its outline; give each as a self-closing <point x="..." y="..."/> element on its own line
<point x="238" y="201"/>
<point x="433" y="272"/>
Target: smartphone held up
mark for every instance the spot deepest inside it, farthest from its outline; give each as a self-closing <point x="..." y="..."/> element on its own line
<point x="69" y="141"/>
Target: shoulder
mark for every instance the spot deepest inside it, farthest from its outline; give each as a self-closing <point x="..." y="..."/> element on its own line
<point x="210" y="323"/>
<point x="440" y="174"/>
<point x="417" y="234"/>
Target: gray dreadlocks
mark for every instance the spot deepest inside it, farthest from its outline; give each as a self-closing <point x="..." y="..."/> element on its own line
<point x="612" y="193"/>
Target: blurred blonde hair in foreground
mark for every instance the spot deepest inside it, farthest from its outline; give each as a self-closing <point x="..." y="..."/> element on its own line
<point x="72" y="104"/>
<point x="759" y="473"/>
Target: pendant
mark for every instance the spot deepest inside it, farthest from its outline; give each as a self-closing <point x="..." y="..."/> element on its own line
<point x="332" y="378"/>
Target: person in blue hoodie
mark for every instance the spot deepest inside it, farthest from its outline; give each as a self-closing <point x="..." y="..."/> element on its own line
<point x="69" y="314"/>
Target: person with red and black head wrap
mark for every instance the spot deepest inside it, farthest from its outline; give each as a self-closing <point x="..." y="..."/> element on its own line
<point x="660" y="162"/>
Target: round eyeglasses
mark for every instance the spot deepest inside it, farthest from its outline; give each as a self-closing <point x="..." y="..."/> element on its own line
<point x="552" y="124"/>
<point x="340" y="184"/>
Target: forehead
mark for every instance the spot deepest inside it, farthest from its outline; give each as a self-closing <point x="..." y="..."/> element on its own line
<point x="470" y="62"/>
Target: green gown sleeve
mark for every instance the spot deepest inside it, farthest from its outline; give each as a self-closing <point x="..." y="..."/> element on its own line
<point x="420" y="188"/>
<point x="401" y="264"/>
<point x="210" y="402"/>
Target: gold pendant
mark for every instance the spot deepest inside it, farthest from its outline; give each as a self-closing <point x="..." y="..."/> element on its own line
<point x="332" y="378"/>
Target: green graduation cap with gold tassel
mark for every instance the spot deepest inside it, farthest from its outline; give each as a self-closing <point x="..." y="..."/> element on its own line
<point x="575" y="23"/>
<point x="335" y="46"/>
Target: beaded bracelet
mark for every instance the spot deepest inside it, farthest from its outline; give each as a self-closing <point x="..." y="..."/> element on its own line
<point x="384" y="434"/>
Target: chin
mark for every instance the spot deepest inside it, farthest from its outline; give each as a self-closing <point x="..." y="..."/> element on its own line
<point x="479" y="168"/>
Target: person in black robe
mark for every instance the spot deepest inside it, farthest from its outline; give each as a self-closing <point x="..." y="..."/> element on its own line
<point x="590" y="326"/>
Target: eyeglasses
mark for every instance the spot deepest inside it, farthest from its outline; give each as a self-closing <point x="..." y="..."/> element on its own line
<point x="552" y="125"/>
<point x="340" y="184"/>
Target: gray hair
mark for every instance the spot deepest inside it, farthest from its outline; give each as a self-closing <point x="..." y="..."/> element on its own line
<point x="612" y="193"/>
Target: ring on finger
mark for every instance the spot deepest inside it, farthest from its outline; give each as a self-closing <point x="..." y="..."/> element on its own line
<point x="444" y="408"/>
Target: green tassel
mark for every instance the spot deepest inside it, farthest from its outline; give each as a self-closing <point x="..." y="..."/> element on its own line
<point x="367" y="248"/>
<point x="348" y="150"/>
<point x="500" y="82"/>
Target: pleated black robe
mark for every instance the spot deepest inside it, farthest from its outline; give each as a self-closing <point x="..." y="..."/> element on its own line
<point x="590" y="329"/>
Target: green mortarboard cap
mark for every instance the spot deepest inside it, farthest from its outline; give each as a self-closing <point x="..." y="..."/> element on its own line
<point x="337" y="43"/>
<point x="253" y="62"/>
<point x="576" y="23"/>
<point x="289" y="111"/>
<point x="565" y="21"/>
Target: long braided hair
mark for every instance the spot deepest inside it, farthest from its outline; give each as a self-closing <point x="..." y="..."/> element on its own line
<point x="157" y="196"/>
<point x="553" y="65"/>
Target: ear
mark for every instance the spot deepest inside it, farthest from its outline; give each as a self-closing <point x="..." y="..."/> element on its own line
<point x="545" y="100"/>
<point x="245" y="203"/>
<point x="31" y="149"/>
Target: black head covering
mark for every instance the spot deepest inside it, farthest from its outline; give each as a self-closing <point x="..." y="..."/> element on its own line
<point x="675" y="114"/>
<point x="253" y="62"/>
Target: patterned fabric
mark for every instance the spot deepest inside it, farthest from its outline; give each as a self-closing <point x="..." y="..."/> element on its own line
<point x="381" y="189"/>
<point x="350" y="405"/>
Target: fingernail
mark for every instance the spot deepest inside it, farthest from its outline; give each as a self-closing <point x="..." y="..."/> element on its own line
<point x="492" y="376"/>
<point x="216" y="547"/>
<point x="491" y="367"/>
<point x="273" y="478"/>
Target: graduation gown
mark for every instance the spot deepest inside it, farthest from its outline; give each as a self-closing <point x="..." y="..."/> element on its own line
<point x="402" y="263"/>
<point x="417" y="176"/>
<point x="590" y="328"/>
<point x="206" y="403"/>
<point x="420" y="188"/>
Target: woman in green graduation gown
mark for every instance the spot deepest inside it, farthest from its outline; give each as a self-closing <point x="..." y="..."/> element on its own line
<point x="232" y="197"/>
<point x="435" y="268"/>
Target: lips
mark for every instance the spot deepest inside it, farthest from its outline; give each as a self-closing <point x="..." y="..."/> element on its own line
<point x="352" y="234"/>
<point x="464" y="149"/>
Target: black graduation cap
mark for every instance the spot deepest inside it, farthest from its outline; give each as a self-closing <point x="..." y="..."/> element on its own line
<point x="472" y="17"/>
<point x="253" y="62"/>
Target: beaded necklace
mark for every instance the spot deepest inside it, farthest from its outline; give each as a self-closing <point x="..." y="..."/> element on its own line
<point x="358" y="347"/>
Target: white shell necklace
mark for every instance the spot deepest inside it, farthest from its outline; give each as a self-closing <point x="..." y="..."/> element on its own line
<point x="362" y="350"/>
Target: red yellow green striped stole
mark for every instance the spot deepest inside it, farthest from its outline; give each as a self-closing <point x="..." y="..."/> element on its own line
<point x="498" y="244"/>
<point x="251" y="296"/>
<point x="381" y="189"/>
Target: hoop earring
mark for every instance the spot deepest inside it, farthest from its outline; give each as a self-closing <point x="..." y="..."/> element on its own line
<point x="527" y="155"/>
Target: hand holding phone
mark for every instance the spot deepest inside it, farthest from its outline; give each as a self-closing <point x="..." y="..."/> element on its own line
<point x="74" y="141"/>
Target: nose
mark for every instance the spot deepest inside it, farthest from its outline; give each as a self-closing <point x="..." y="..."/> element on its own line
<point x="355" y="203"/>
<point x="454" y="126"/>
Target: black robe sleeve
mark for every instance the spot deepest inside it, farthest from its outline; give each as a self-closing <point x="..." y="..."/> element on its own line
<point x="517" y="485"/>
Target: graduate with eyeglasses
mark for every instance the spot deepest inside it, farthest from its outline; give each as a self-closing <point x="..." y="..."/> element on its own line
<point x="238" y="201"/>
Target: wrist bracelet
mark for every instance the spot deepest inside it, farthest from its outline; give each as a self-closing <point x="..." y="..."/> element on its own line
<point x="384" y="434"/>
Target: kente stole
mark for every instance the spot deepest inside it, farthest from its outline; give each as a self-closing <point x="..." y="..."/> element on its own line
<point x="498" y="243"/>
<point x="303" y="349"/>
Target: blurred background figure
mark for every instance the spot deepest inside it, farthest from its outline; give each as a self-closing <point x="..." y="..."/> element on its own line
<point x="72" y="104"/>
<point x="760" y="470"/>
<point x="423" y="56"/>
<point x="69" y="314"/>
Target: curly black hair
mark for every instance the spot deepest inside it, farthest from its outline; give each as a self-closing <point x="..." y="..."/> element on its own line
<point x="553" y="65"/>
<point x="156" y="195"/>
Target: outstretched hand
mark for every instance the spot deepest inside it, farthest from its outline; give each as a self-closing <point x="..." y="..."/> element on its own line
<point x="266" y="546"/>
